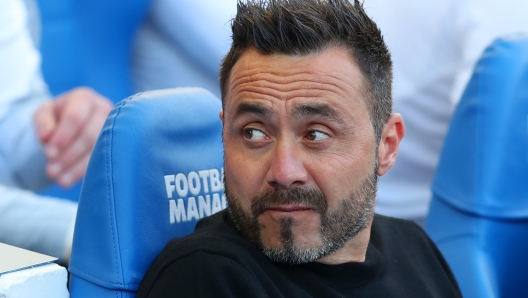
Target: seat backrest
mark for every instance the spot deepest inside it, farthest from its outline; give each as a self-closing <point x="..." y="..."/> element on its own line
<point x="479" y="212"/>
<point x="88" y="43"/>
<point x="156" y="169"/>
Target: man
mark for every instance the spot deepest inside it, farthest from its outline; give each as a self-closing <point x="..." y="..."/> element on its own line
<point x="307" y="128"/>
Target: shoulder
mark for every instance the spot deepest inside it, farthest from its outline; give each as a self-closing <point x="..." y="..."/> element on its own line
<point x="396" y="227"/>
<point x="400" y="235"/>
<point x="409" y="252"/>
<point x="405" y="241"/>
<point x="214" y="250"/>
<point x="212" y="235"/>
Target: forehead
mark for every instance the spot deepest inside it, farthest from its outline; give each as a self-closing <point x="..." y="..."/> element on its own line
<point x="330" y="77"/>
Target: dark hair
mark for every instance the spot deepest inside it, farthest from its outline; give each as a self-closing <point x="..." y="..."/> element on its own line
<point x="302" y="27"/>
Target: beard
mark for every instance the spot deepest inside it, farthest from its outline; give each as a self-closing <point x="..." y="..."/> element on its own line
<point x="337" y="226"/>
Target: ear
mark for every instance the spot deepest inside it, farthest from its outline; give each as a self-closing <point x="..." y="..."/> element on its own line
<point x="391" y="136"/>
<point x="221" y="115"/>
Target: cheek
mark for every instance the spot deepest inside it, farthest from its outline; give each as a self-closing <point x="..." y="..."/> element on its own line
<point x="242" y="175"/>
<point x="344" y="169"/>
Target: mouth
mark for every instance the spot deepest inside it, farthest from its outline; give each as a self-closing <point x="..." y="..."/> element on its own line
<point x="288" y="209"/>
<point x="272" y="215"/>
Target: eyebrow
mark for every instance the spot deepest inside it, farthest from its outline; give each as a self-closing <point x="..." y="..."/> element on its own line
<point x="323" y="110"/>
<point x="251" y="108"/>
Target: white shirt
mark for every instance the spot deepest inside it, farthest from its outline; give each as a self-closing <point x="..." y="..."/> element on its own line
<point x="26" y="220"/>
<point x="21" y="92"/>
<point x="435" y="46"/>
<point x="182" y="44"/>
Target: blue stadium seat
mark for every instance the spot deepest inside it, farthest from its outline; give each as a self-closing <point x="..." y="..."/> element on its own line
<point x="479" y="211"/>
<point x="156" y="169"/>
<point x="89" y="43"/>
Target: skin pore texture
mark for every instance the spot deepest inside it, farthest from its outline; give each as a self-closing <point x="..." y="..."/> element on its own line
<point x="301" y="159"/>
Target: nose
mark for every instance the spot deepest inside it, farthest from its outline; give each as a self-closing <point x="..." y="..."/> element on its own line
<point x="286" y="168"/>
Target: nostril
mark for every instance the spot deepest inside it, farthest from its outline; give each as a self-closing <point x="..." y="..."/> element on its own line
<point x="285" y="183"/>
<point x="274" y="184"/>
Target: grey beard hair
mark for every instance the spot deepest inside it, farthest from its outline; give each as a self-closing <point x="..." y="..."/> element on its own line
<point x="350" y="217"/>
<point x="336" y="228"/>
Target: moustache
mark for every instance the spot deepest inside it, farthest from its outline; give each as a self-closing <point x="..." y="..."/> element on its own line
<point x="308" y="197"/>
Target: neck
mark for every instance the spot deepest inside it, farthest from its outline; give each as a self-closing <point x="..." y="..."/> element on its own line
<point x="354" y="250"/>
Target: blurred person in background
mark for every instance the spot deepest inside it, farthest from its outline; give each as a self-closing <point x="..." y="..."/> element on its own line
<point x="88" y="43"/>
<point x="434" y="45"/>
<point x="42" y="140"/>
<point x="181" y="44"/>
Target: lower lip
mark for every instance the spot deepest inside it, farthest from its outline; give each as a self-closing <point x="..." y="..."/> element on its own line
<point x="288" y="211"/>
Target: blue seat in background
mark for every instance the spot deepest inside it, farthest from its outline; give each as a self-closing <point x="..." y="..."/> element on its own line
<point x="479" y="211"/>
<point x="89" y="43"/>
<point x="156" y="168"/>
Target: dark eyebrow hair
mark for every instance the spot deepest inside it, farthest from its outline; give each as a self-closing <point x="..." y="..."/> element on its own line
<point x="323" y="110"/>
<point x="251" y="108"/>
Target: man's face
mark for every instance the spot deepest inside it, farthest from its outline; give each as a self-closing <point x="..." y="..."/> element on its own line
<point x="300" y="152"/>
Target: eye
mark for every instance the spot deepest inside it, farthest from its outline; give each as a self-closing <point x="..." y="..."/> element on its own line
<point x="315" y="135"/>
<point x="253" y="134"/>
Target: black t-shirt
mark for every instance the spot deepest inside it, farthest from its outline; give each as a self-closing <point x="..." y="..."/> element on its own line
<point x="215" y="261"/>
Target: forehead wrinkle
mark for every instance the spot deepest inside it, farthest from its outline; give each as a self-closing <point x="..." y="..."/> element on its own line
<point x="293" y="89"/>
<point x="299" y="80"/>
<point x="334" y="80"/>
<point x="291" y="76"/>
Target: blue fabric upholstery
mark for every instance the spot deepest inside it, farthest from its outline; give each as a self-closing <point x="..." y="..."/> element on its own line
<point x="89" y="43"/>
<point x="155" y="170"/>
<point x="479" y="212"/>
